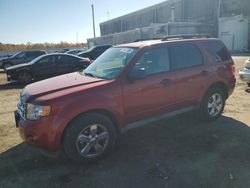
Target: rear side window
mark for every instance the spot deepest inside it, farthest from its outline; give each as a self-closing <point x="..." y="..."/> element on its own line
<point x="62" y="59"/>
<point x="185" y="55"/>
<point x="217" y="51"/>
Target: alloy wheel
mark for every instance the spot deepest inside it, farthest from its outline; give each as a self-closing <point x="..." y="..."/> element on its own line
<point x="215" y="104"/>
<point x="92" y="140"/>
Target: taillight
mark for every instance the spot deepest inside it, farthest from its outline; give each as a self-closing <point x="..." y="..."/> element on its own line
<point x="232" y="69"/>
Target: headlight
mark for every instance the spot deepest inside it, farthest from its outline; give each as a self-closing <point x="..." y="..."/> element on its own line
<point x="35" y="112"/>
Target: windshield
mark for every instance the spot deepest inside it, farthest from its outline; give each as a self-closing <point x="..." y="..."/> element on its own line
<point x="17" y="54"/>
<point x="110" y="63"/>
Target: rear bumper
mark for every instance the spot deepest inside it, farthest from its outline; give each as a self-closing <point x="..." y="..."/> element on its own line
<point x="231" y="85"/>
<point x="245" y="75"/>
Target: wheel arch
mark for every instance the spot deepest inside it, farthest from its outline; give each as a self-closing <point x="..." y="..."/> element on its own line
<point x="221" y="86"/>
<point x="104" y="112"/>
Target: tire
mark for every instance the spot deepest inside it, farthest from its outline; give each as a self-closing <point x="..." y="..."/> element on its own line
<point x="212" y="105"/>
<point x="89" y="137"/>
<point x="24" y="77"/>
<point x="248" y="84"/>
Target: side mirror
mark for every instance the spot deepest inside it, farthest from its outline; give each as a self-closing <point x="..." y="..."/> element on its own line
<point x="137" y="74"/>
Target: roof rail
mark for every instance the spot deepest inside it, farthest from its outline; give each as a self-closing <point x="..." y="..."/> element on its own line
<point x="187" y="36"/>
<point x="139" y="40"/>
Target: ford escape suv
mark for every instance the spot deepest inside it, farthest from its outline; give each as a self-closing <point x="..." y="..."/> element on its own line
<point x="81" y="114"/>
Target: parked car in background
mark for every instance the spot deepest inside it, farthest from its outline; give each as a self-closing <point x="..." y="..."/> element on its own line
<point x="127" y="86"/>
<point x="75" y="51"/>
<point x="245" y="73"/>
<point x="21" y="57"/>
<point x="46" y="66"/>
<point x="94" y="52"/>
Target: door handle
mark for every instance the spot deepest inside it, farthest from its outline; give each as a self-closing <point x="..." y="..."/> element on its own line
<point x="204" y="73"/>
<point x="166" y="82"/>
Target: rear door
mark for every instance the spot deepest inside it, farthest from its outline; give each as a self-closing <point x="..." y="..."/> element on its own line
<point x="65" y="64"/>
<point x="154" y="94"/>
<point x="192" y="73"/>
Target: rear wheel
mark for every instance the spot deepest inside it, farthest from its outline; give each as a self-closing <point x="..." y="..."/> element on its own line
<point x="24" y="77"/>
<point x="212" y="105"/>
<point x="89" y="137"/>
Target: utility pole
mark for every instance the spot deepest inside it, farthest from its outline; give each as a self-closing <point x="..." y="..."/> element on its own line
<point x="108" y="15"/>
<point x="77" y="39"/>
<point x="219" y="9"/>
<point x="93" y="18"/>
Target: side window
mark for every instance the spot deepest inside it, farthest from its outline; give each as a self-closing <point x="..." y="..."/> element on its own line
<point x="61" y="59"/>
<point x="217" y="51"/>
<point x="185" y="55"/>
<point x="21" y="55"/>
<point x="154" y="61"/>
<point x="47" y="60"/>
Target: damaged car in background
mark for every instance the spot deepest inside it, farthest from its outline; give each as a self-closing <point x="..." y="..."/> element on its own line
<point x="245" y="73"/>
<point x="46" y="66"/>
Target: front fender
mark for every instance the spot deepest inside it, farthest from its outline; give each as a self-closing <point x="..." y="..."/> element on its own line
<point x="72" y="109"/>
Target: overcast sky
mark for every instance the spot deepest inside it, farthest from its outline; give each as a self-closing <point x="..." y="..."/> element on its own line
<point x="39" y="21"/>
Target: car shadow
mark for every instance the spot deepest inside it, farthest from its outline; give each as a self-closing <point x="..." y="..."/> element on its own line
<point x="177" y="152"/>
<point x="11" y="85"/>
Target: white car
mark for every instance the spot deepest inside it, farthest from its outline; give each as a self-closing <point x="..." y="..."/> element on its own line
<point x="245" y="73"/>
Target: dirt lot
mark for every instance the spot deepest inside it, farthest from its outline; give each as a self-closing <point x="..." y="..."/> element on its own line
<point x="178" y="152"/>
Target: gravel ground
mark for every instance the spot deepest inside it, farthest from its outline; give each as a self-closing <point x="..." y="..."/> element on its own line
<point x="177" y="152"/>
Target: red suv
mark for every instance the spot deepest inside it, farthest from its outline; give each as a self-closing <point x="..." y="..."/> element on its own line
<point x="82" y="113"/>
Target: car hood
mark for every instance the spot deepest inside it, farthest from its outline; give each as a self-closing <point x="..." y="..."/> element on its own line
<point x="18" y="66"/>
<point x="58" y="84"/>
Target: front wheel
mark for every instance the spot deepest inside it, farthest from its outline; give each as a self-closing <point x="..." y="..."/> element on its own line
<point x="89" y="137"/>
<point x="212" y="105"/>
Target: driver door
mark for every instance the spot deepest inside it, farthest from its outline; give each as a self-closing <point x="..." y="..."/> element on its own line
<point x="45" y="67"/>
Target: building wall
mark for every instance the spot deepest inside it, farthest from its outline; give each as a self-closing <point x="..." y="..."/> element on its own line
<point x="153" y="32"/>
<point x="185" y="10"/>
<point x="202" y="11"/>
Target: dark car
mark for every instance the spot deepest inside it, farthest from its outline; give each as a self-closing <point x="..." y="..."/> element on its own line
<point x="94" y="52"/>
<point x="46" y="66"/>
<point x="127" y="86"/>
<point x="75" y="51"/>
<point x="19" y="58"/>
